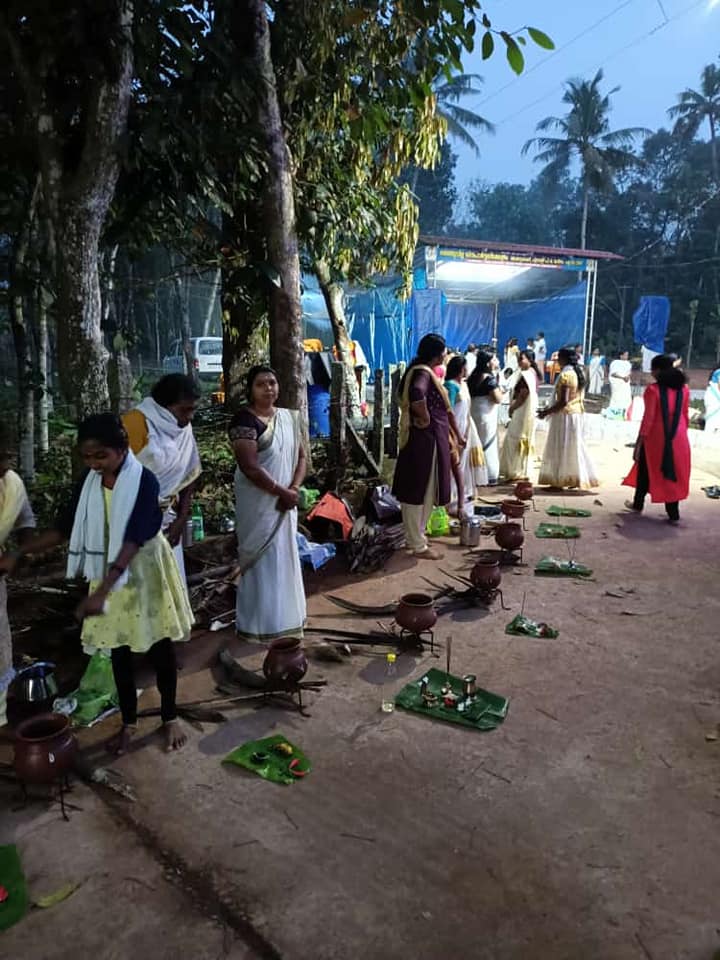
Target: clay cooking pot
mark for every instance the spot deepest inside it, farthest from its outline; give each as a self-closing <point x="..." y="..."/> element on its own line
<point x="524" y="490"/>
<point x="285" y="661"/>
<point x="416" y="613"/>
<point x="513" y="508"/>
<point x="44" y="748"/>
<point x="509" y="536"/>
<point x="485" y="575"/>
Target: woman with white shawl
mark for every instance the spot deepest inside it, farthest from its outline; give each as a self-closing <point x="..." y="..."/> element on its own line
<point x="161" y="437"/>
<point x="519" y="442"/>
<point x="17" y="518"/>
<point x="620" y="390"/>
<point x="271" y="467"/>
<point x="596" y="380"/>
<point x="136" y="602"/>
<point x="486" y="396"/>
<point x="470" y="464"/>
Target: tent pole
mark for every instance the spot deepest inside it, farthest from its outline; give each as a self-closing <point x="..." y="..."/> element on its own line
<point x="592" y="304"/>
<point x="495" y="325"/>
<point x="587" y="311"/>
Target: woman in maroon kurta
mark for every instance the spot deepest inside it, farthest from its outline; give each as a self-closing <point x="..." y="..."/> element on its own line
<point x="422" y="472"/>
<point x="662" y="451"/>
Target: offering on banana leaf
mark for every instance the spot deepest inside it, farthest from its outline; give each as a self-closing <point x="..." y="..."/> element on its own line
<point x="521" y="626"/>
<point x="556" y="511"/>
<point x="552" y="567"/>
<point x="557" y="531"/>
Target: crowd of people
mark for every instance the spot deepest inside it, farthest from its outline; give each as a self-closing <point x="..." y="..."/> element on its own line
<point x="123" y="526"/>
<point x="449" y="444"/>
<point x="124" y="523"/>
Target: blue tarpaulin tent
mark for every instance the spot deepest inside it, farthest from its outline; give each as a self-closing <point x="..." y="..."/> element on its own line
<point x="650" y="322"/>
<point x="470" y="291"/>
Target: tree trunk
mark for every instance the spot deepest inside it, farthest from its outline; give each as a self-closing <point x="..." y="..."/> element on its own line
<point x="209" y="313"/>
<point x="245" y="340"/>
<point x="43" y="385"/>
<point x="333" y="294"/>
<point x="252" y="31"/>
<point x="584" y="222"/>
<point x="22" y="340"/>
<point x="714" y="152"/>
<point x="693" y="311"/>
<point x="78" y="198"/>
<point x="181" y="285"/>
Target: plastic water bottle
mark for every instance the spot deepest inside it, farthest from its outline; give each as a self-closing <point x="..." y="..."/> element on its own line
<point x="198" y="523"/>
<point x="388" y="704"/>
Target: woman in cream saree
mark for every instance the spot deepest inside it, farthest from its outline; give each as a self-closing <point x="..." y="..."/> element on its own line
<point x="519" y="443"/>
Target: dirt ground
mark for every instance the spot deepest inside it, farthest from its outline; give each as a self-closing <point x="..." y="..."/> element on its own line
<point x="586" y="826"/>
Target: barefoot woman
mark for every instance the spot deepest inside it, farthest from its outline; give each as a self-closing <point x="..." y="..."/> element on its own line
<point x="271" y="464"/>
<point x="137" y="602"/>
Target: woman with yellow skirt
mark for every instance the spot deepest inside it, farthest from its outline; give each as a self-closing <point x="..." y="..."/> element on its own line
<point x="137" y="603"/>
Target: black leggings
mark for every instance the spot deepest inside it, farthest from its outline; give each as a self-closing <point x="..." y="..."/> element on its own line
<point x="642" y="489"/>
<point x="162" y="657"/>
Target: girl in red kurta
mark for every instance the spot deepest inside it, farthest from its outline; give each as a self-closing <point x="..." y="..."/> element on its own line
<point x="662" y="451"/>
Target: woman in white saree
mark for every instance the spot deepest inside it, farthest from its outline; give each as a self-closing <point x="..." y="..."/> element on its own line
<point x="519" y="442"/>
<point x="486" y="396"/>
<point x="471" y="460"/>
<point x="620" y="390"/>
<point x="270" y="468"/>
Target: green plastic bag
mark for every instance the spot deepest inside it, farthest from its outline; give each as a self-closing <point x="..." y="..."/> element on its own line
<point x="96" y="692"/>
<point x="13" y="879"/>
<point x="263" y="758"/>
<point x="438" y="524"/>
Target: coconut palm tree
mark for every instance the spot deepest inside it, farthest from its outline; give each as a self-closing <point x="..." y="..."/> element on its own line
<point x="585" y="135"/>
<point x="460" y="121"/>
<point x="694" y="107"/>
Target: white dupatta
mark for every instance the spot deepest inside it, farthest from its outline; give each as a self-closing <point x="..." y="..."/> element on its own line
<point x="87" y="554"/>
<point x="171" y="452"/>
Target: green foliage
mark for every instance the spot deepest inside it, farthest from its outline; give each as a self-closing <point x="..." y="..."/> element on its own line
<point x="435" y="192"/>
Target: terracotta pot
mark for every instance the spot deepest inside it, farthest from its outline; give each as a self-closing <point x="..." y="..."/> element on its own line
<point x="524" y="490"/>
<point x="485" y="575"/>
<point x="513" y="508"/>
<point x="509" y="536"/>
<point x="44" y="748"/>
<point x="285" y="661"/>
<point x="416" y="613"/>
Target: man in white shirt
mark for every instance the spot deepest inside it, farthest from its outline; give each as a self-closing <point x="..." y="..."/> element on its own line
<point x="541" y="354"/>
<point x="471" y="358"/>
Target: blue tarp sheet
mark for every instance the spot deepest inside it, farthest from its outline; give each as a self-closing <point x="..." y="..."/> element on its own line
<point x="650" y="322"/>
<point x="388" y="329"/>
<point x="377" y="319"/>
<point x="561" y="318"/>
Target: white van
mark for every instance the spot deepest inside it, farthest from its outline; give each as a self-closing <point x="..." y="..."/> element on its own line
<point x="206" y="353"/>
